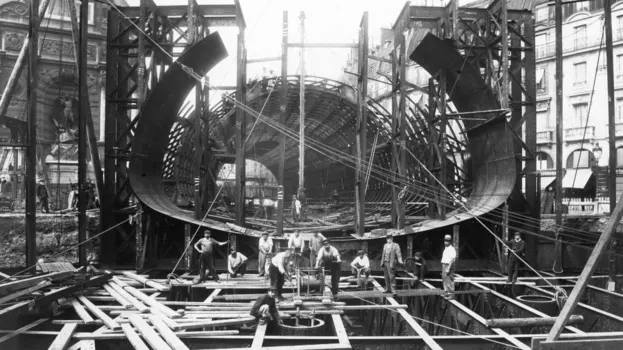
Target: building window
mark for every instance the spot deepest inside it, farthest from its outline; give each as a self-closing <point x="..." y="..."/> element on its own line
<point x="620" y="157"/>
<point x="619" y="111"/>
<point x="544" y="161"/>
<point x="580" y="111"/>
<point x="543" y="48"/>
<point x="619" y="65"/>
<point x="620" y="27"/>
<point x="542" y="13"/>
<point x="580" y="73"/>
<point x="580" y="37"/>
<point x="541" y="80"/>
<point x="60" y="11"/>
<point x="580" y="159"/>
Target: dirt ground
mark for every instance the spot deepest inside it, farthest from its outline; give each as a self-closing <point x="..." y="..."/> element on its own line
<point x="55" y="234"/>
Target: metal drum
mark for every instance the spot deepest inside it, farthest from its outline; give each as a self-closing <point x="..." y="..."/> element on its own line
<point x="308" y="325"/>
<point x="543" y="303"/>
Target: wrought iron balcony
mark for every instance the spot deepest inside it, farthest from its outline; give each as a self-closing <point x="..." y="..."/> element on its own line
<point x="546" y="136"/>
<point x="579" y="133"/>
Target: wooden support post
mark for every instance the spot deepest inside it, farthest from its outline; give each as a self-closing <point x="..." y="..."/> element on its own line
<point x="241" y="120"/>
<point x="409" y="246"/>
<point x="83" y="89"/>
<point x="138" y="232"/>
<point x="283" y="101"/>
<point x="300" y="193"/>
<point x="362" y="126"/>
<point x="189" y="252"/>
<point x="64" y="336"/>
<point x="529" y="321"/>
<point x="442" y="196"/>
<point x="31" y="166"/>
<point x="587" y="272"/>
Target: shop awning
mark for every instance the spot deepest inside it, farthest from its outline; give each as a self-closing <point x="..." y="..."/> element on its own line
<point x="539" y="75"/>
<point x="546" y="181"/>
<point x="576" y="178"/>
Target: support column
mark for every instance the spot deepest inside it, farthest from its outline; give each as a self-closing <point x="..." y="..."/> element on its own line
<point x="409" y="246"/>
<point x="241" y="97"/>
<point x="82" y="132"/>
<point x="362" y="124"/>
<point x="301" y="189"/>
<point x="102" y="135"/>
<point x="455" y="242"/>
<point x="441" y="188"/>
<point x="189" y="252"/>
<point x="139" y="238"/>
<point x="612" y="158"/>
<point x="283" y="96"/>
<point x="559" y="128"/>
<point x="31" y="166"/>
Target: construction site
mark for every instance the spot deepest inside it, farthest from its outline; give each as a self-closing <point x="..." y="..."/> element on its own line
<point x="143" y="205"/>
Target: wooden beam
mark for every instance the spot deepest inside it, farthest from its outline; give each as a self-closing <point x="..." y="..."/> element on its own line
<point x="22" y="329"/>
<point x="64" y="336"/>
<point x="258" y="339"/>
<point x="114" y="296"/>
<point x="167" y="333"/>
<point x="152" y="338"/>
<point x="81" y="312"/>
<point x="133" y="337"/>
<point x="579" y="344"/>
<point x="219" y="323"/>
<point x="147" y="300"/>
<point x="587" y="272"/>
<point x="212" y="295"/>
<point x="432" y="344"/>
<point x="132" y="300"/>
<point x="22" y="292"/>
<point x="146" y="281"/>
<point x="324" y="45"/>
<point x="340" y="331"/>
<point x="529" y="321"/>
<point x="109" y="322"/>
<point x="29" y="282"/>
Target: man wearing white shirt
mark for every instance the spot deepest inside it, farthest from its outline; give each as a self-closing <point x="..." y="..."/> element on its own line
<point x="329" y="259"/>
<point x="278" y="271"/>
<point x="295" y="243"/>
<point x="315" y="244"/>
<point x="236" y="264"/>
<point x="447" y="267"/>
<point x="361" y="264"/>
<point x="265" y="249"/>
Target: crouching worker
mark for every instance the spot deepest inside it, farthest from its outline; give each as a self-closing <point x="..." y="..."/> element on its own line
<point x="361" y="269"/>
<point x="265" y="310"/>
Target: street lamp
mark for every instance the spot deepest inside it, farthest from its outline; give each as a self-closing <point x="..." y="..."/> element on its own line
<point x="597" y="151"/>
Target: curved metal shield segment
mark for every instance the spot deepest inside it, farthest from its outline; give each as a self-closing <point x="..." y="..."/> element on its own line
<point x="156" y="119"/>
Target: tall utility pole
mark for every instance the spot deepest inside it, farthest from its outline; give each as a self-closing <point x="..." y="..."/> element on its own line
<point x="612" y="159"/>
<point x="283" y="96"/>
<point x="31" y="166"/>
<point x="82" y="132"/>
<point x="301" y="190"/>
<point x="559" y="116"/>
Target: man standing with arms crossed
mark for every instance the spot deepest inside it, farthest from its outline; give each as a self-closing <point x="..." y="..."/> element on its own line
<point x="205" y="247"/>
<point x="447" y="267"/>
<point x="266" y="248"/>
<point x="389" y="260"/>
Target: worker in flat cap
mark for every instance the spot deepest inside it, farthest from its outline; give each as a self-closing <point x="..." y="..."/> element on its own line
<point x="447" y="267"/>
<point x="518" y="250"/>
<point x="205" y="247"/>
<point x="329" y="259"/>
<point x="265" y="309"/>
<point x="418" y="266"/>
<point x="360" y="267"/>
<point x="391" y="258"/>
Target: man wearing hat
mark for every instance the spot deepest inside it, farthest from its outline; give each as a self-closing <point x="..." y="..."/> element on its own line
<point x="361" y="267"/>
<point x="418" y="267"/>
<point x="518" y="249"/>
<point x="265" y="309"/>
<point x="42" y="194"/>
<point x="205" y="247"/>
<point x="447" y="267"/>
<point x="236" y="263"/>
<point x="265" y="249"/>
<point x="329" y="258"/>
<point x="391" y="258"/>
<point x="315" y="244"/>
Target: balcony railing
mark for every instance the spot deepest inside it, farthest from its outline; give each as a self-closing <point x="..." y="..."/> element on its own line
<point x="546" y="136"/>
<point x="570" y="45"/>
<point x="575" y="134"/>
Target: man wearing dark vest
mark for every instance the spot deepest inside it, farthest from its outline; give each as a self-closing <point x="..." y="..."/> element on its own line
<point x="329" y="259"/>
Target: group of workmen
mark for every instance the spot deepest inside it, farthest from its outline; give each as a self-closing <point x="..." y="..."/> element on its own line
<point x="323" y="255"/>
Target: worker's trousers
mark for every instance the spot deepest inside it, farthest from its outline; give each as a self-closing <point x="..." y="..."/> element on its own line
<point x="447" y="277"/>
<point x="390" y="277"/>
<point x="261" y="265"/>
<point x="276" y="279"/>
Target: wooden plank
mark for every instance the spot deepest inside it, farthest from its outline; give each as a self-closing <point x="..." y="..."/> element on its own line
<point x="219" y="323"/>
<point x="6" y="277"/>
<point x="432" y="344"/>
<point x="25" y="291"/>
<point x="588" y="344"/>
<point x="340" y="331"/>
<point x="133" y="337"/>
<point x="132" y="300"/>
<point x="22" y="330"/>
<point x="109" y="322"/>
<point x="212" y="295"/>
<point x="118" y="297"/>
<point x="9" y="287"/>
<point x="81" y="312"/>
<point x="258" y="339"/>
<point x="64" y="336"/>
<point x="145" y="281"/>
<point x="147" y="300"/>
<point x="333" y="346"/>
<point x="167" y="333"/>
<point x="152" y="338"/>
